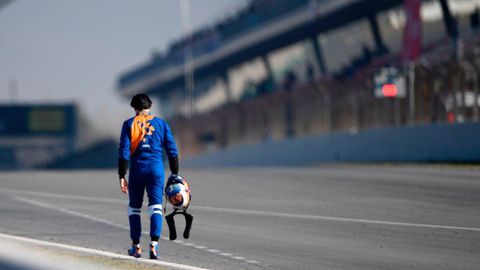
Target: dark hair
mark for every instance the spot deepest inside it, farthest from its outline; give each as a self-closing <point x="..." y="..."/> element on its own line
<point x="141" y="102"/>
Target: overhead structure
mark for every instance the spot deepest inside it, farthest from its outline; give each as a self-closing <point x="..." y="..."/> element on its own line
<point x="300" y="24"/>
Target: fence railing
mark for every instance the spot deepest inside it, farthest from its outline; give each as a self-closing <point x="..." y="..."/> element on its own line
<point x="445" y="91"/>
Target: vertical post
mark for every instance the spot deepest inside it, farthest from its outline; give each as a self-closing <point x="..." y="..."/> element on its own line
<point x="318" y="55"/>
<point x="449" y="20"/>
<point x="268" y="69"/>
<point x="188" y="54"/>
<point x="450" y="25"/>
<point x="411" y="92"/>
<point x="377" y="37"/>
<point x="226" y="83"/>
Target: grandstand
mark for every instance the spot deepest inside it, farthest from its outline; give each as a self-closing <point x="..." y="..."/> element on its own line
<point x="324" y="54"/>
<point x="258" y="30"/>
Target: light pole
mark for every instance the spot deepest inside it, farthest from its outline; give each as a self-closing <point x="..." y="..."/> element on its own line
<point x="188" y="54"/>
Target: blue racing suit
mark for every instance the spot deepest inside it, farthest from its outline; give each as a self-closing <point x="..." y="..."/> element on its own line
<point x="142" y="141"/>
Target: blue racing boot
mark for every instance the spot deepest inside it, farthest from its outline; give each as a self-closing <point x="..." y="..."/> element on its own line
<point x="154" y="250"/>
<point x="135" y="251"/>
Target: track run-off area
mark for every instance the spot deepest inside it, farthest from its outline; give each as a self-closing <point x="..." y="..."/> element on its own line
<point x="326" y="217"/>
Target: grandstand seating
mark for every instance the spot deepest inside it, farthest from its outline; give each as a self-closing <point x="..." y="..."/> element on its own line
<point x="341" y="102"/>
<point x="206" y="40"/>
<point x="330" y="105"/>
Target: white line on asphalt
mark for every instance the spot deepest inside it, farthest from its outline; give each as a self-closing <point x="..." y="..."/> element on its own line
<point x="73" y="213"/>
<point x="258" y="213"/>
<point x="62" y="196"/>
<point x="330" y="218"/>
<point x="78" y="214"/>
<point x="99" y="252"/>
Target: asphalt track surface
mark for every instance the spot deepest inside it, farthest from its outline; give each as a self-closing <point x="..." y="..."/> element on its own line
<point x="329" y="217"/>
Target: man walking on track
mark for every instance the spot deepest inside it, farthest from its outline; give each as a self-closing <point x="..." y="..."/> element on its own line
<point x="142" y="141"/>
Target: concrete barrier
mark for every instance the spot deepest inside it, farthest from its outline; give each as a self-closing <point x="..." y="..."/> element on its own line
<point x="452" y="143"/>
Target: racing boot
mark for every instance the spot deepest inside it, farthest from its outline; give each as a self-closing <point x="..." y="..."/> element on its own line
<point x="154" y="250"/>
<point x="135" y="251"/>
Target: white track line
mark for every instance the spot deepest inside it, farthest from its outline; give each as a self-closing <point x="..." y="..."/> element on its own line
<point x="68" y="197"/>
<point x="258" y="213"/>
<point x="98" y="252"/>
<point x="73" y="213"/>
<point x="92" y="218"/>
<point x="330" y="218"/>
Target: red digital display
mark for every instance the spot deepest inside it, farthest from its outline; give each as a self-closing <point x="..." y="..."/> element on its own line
<point x="389" y="90"/>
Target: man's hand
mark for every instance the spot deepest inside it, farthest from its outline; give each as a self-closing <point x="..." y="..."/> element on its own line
<point x="124" y="185"/>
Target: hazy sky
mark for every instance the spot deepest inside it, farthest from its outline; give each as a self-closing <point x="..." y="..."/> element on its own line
<point x="71" y="50"/>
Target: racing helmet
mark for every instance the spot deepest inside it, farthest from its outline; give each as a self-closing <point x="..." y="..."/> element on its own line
<point x="177" y="192"/>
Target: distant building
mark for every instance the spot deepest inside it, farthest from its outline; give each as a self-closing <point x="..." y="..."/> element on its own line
<point x="31" y="135"/>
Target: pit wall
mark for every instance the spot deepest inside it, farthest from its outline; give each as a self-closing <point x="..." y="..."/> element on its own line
<point x="445" y="143"/>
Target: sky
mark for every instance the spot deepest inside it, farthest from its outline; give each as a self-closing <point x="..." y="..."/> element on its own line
<point x="61" y="51"/>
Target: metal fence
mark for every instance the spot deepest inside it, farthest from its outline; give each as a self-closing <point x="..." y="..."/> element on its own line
<point x="445" y="90"/>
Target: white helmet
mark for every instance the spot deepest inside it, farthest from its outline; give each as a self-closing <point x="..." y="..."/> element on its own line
<point x="177" y="192"/>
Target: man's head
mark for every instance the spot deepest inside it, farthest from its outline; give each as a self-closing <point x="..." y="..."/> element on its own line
<point x="141" y="102"/>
